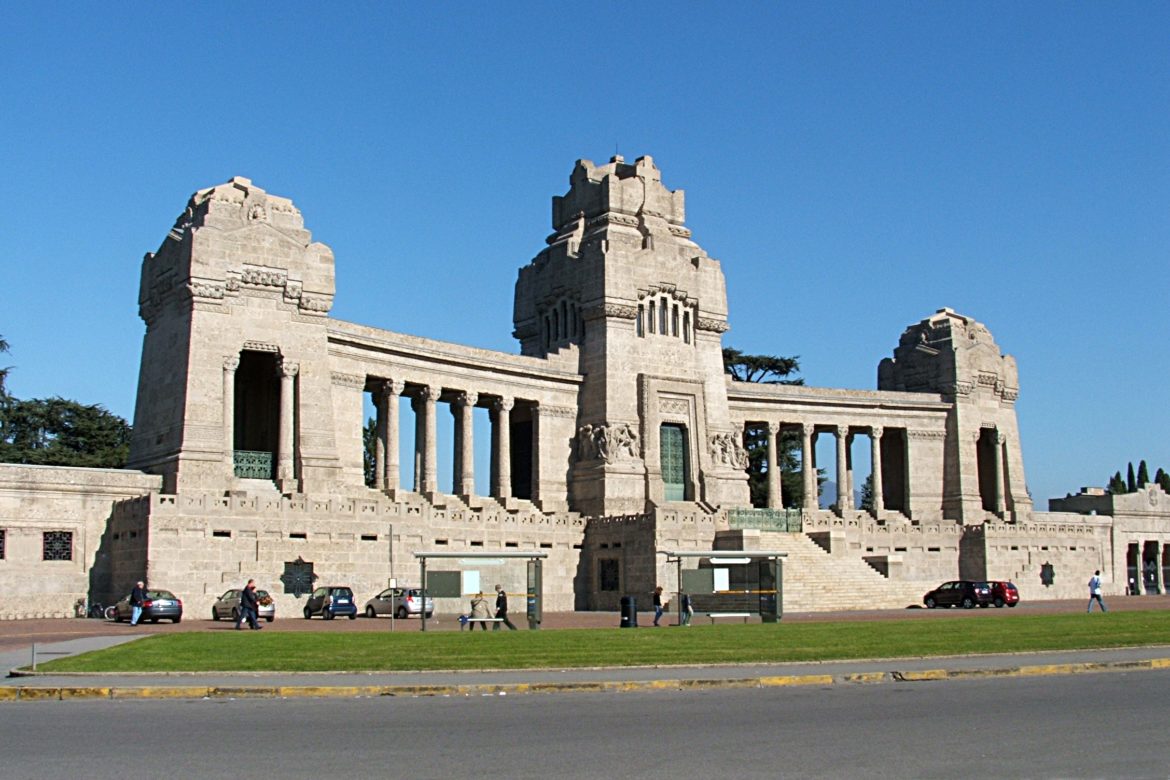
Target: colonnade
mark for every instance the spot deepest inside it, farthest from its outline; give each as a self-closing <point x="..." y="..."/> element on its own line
<point x="1146" y="564"/>
<point x="423" y="402"/>
<point x="843" y="436"/>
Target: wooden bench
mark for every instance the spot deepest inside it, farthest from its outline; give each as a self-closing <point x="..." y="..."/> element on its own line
<point x="744" y="615"/>
<point x="465" y="621"/>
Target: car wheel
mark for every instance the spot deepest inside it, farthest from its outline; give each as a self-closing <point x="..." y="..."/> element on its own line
<point x="353" y="616"/>
<point x="402" y="613"/>
<point x="370" y="613"/>
<point x="326" y="614"/>
<point x="177" y="620"/>
<point x="270" y="618"/>
<point x="931" y="603"/>
<point x="235" y="615"/>
<point x="214" y="614"/>
<point x="429" y="615"/>
<point x="999" y="603"/>
<point x="968" y="602"/>
<point x="1013" y="603"/>
<point x="308" y="614"/>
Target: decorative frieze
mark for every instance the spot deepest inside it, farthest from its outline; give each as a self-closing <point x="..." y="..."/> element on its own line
<point x="712" y="325"/>
<point x="726" y="449"/>
<point x="608" y="443"/>
<point x="352" y="381"/>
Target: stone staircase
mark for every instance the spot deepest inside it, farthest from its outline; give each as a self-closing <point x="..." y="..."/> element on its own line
<point x="816" y="581"/>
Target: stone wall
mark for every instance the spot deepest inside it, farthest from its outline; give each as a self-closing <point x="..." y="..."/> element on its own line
<point x="35" y="500"/>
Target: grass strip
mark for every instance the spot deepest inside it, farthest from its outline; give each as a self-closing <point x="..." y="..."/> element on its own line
<point x="754" y="643"/>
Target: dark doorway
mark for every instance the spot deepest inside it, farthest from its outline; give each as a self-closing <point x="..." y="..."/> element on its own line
<point x="521" y="449"/>
<point x="985" y="451"/>
<point x="257" y="415"/>
<point x="672" y="441"/>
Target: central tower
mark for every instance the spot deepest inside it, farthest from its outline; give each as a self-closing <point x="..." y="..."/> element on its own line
<point x="622" y="284"/>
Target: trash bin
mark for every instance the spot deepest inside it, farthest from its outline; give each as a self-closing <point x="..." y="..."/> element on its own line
<point x="629" y="612"/>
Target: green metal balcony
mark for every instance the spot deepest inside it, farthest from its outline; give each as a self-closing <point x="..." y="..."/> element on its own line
<point x="788" y="520"/>
<point x="250" y="464"/>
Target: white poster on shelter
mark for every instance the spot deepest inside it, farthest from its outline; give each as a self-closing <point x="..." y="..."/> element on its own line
<point x="471" y="582"/>
<point x="722" y="579"/>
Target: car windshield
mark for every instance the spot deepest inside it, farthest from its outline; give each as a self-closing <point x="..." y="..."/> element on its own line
<point x="261" y="594"/>
<point x="159" y="594"/>
<point x="342" y="593"/>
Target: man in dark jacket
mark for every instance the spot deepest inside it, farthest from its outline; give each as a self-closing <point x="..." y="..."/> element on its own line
<point x="502" y="609"/>
<point x="249" y="607"/>
<point x="137" y="599"/>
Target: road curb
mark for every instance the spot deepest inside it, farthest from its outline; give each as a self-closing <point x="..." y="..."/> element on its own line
<point x="89" y="692"/>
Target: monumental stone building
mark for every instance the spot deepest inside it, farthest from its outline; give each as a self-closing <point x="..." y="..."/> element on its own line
<point x="614" y="434"/>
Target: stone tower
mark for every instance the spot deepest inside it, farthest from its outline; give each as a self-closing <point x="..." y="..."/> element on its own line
<point x="236" y="302"/>
<point x="982" y="463"/>
<point x="644" y="307"/>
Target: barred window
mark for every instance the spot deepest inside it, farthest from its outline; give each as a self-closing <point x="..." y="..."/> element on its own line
<point x="58" y="545"/>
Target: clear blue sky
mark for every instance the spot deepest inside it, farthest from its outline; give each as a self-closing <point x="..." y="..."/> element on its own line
<point x="854" y="167"/>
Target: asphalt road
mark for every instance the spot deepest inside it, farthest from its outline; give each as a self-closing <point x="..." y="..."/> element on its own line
<point x="1100" y="725"/>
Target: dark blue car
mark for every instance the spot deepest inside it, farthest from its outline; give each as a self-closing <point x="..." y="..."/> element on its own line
<point x="331" y="601"/>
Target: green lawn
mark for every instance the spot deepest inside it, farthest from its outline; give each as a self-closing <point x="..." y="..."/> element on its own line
<point x="274" y="651"/>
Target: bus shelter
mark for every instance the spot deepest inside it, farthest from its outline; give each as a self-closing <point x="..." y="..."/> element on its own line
<point x="455" y="582"/>
<point x="727" y="583"/>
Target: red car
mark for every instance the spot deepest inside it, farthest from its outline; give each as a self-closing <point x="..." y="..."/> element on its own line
<point x="1003" y="592"/>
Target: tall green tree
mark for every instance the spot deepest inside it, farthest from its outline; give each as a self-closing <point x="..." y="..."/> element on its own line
<point x="1143" y="475"/>
<point x="369" y="441"/>
<point x="1163" y="479"/>
<point x="4" y="372"/>
<point x="1116" y="485"/>
<point x="60" y="432"/>
<point x="1130" y="481"/>
<point x="770" y="370"/>
<point x="867" y="494"/>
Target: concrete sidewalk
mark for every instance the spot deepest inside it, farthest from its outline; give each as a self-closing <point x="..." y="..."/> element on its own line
<point x="226" y="685"/>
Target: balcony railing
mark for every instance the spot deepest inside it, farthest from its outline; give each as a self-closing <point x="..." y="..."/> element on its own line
<point x="788" y="520"/>
<point x="250" y="464"/>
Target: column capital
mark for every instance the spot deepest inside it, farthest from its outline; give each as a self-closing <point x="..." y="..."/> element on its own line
<point x="289" y="368"/>
<point x="392" y="386"/>
<point x="876" y="432"/>
<point x="467" y="399"/>
<point x="842" y="431"/>
<point x="504" y="404"/>
<point x="231" y="363"/>
<point x="773" y="428"/>
<point x="431" y="393"/>
<point x="808" y="429"/>
<point x="1001" y="438"/>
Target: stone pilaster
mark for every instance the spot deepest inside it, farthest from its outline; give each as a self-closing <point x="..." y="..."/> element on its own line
<point x="230" y="364"/>
<point x="286" y="471"/>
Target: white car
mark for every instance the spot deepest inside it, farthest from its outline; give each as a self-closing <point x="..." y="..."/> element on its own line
<point x="402" y="602"/>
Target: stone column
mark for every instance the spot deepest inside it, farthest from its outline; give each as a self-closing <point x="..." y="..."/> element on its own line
<point x="1000" y="506"/>
<point x="842" y="470"/>
<point x="850" y="493"/>
<point x="285" y="470"/>
<point x="464" y="450"/>
<point x="430" y="453"/>
<point x="387" y="473"/>
<point x="775" y="500"/>
<point x="875" y="456"/>
<point x="807" y="467"/>
<point x="230" y="364"/>
<point x="502" y="448"/>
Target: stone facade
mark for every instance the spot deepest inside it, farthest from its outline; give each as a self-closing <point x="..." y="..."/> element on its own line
<point x="614" y="434"/>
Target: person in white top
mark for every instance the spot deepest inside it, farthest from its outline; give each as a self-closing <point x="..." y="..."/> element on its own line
<point x="1095" y="591"/>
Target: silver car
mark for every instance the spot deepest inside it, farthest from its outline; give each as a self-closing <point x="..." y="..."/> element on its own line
<point x="228" y="606"/>
<point x="403" y="602"/>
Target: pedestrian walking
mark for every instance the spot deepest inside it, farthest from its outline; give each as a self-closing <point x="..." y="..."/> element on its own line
<point x="688" y="609"/>
<point x="479" y="612"/>
<point x="137" y="599"/>
<point x="1095" y="591"/>
<point x="502" y="609"/>
<point x="249" y="607"/>
<point x="659" y="605"/>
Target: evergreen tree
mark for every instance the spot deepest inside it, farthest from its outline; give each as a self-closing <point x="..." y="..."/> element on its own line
<point x="4" y="373"/>
<point x="1143" y="475"/>
<point x="369" y="441"/>
<point x="1130" y="481"/>
<point x="1162" y="478"/>
<point x="867" y="494"/>
<point x="772" y="370"/>
<point x="59" y="432"/>
<point x="1116" y="485"/>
